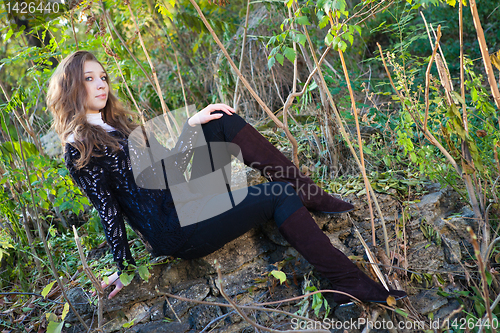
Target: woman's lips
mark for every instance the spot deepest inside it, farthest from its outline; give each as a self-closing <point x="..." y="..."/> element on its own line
<point x="101" y="96"/>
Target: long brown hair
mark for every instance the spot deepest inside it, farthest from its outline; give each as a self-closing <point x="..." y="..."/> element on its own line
<point x="66" y="100"/>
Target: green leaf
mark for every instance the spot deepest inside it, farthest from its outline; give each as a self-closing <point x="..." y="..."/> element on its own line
<point x="349" y="37"/>
<point x="301" y="39"/>
<point x="489" y="278"/>
<point x="47" y="289"/>
<point x="126" y="278"/>
<point x="342" y="45"/>
<point x="328" y="39"/>
<point x="473" y="94"/>
<point x="323" y="22"/>
<point x="279" y="275"/>
<point x="413" y="157"/>
<point x="302" y="20"/>
<point x="280" y="58"/>
<point x="129" y="324"/>
<point x="144" y="273"/>
<point x="451" y="2"/>
<point x="289" y="3"/>
<point x="9" y="34"/>
<point x="401" y="312"/>
<point x="290" y="54"/>
<point x="358" y="29"/>
<point x="55" y="327"/>
<point x="271" y="62"/>
<point x="274" y="51"/>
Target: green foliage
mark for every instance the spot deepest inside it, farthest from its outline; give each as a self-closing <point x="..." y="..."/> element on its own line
<point x="278" y="275"/>
<point x="318" y="301"/>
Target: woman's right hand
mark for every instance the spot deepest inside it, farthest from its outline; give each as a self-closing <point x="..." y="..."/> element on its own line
<point x="113" y="279"/>
<point x="205" y="115"/>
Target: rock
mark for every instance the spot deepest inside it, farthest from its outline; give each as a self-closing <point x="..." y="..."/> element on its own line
<point x="238" y="252"/>
<point x="51" y="144"/>
<point x="428" y="301"/>
<point x="201" y="315"/>
<point x="426" y="257"/>
<point x="445" y="311"/>
<point x="240" y="281"/>
<point x="197" y="292"/>
<point x="161" y="327"/>
<point x="452" y="251"/>
<point x="435" y="205"/>
<point x="81" y="302"/>
<point x="137" y="291"/>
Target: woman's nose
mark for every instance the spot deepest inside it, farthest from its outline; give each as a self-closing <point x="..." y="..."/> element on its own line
<point x="100" y="84"/>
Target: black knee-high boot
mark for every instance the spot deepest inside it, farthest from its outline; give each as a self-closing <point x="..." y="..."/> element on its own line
<point x="302" y="232"/>
<point x="262" y="155"/>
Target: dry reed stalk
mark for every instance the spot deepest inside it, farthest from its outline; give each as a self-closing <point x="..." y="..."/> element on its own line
<point x="92" y="278"/>
<point x="361" y="154"/>
<point x="242" y="56"/>
<point x="123" y="43"/>
<point x="289" y="135"/>
<point x="486" y="57"/>
<point x="153" y="70"/>
<point x="462" y="74"/>
<point x="484" y="281"/>
<point x="43" y="236"/>
<point x="338" y="119"/>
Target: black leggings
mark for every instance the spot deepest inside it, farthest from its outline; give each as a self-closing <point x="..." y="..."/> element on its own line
<point x="274" y="200"/>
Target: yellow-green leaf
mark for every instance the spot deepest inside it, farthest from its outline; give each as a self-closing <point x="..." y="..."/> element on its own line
<point x="47" y="289"/>
<point x="279" y="275"/>
<point x="65" y="310"/>
<point x="126" y="278"/>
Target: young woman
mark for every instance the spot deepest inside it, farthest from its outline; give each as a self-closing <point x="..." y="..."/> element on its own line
<point x="94" y="127"/>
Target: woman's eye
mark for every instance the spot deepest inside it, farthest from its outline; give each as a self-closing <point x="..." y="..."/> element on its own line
<point x="88" y="78"/>
<point x="104" y="78"/>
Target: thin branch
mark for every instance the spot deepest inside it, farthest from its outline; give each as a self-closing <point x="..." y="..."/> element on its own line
<point x="486" y="294"/>
<point x="245" y="317"/>
<point x="231" y="63"/>
<point x="486" y="57"/>
<point x="92" y="278"/>
<point x="242" y="57"/>
<point x="123" y="43"/>
<point x="153" y="70"/>
<point x="42" y="233"/>
<point x="361" y="154"/>
<point x="427" y="78"/>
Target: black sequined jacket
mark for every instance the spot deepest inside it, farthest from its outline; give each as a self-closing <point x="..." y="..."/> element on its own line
<point x="109" y="183"/>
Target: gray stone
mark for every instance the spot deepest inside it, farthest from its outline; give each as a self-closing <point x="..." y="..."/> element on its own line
<point x="452" y="252"/>
<point x="81" y="302"/>
<point x="446" y="311"/>
<point x="240" y="281"/>
<point x="201" y="315"/>
<point x="51" y="144"/>
<point x="428" y="301"/>
<point x="137" y="291"/>
<point x="238" y="252"/>
<point x="426" y="257"/>
<point x="196" y="292"/>
<point x="161" y="327"/>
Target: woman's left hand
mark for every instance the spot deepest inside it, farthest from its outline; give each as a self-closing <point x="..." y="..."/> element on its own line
<point x="205" y="115"/>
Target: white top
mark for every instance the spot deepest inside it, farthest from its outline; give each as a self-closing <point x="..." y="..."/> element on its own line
<point x="93" y="119"/>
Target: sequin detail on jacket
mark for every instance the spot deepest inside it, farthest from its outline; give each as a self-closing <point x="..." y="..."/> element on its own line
<point x="109" y="183"/>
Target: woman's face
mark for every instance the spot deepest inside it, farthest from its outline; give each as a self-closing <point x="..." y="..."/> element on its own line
<point x="96" y="84"/>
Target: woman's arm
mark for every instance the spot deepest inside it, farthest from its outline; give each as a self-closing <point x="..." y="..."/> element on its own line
<point x="92" y="180"/>
<point x="183" y="150"/>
